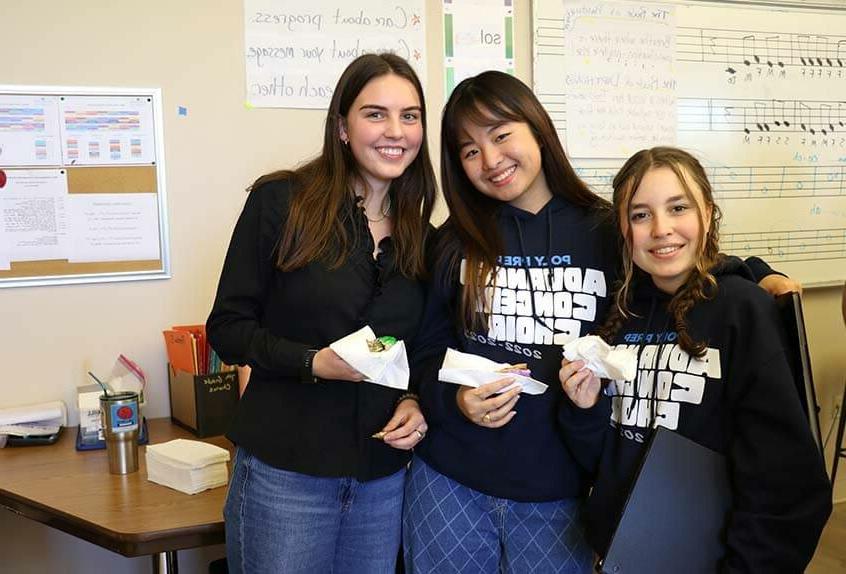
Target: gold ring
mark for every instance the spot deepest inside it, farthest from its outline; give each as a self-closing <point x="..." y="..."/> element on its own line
<point x="420" y="434"/>
<point x="487" y="418"/>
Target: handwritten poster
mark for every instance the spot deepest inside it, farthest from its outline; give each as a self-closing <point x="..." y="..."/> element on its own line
<point x="478" y="36"/>
<point x="295" y="51"/>
<point x="621" y="92"/>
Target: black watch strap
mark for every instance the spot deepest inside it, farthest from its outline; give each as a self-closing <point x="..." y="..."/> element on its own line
<point x="306" y="371"/>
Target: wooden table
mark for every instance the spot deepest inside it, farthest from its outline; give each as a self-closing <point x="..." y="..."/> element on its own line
<point x="74" y="492"/>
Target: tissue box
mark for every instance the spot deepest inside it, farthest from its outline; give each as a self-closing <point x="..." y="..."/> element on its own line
<point x="203" y="404"/>
<point x="88" y="403"/>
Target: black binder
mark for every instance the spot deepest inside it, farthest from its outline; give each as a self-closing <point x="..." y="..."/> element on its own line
<point x="675" y="517"/>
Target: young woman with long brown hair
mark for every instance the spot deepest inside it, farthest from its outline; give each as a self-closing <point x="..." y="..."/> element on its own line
<point x="711" y="366"/>
<point x="319" y="252"/>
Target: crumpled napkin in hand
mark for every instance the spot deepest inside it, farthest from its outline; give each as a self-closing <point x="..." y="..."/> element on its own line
<point x="387" y="368"/>
<point x="473" y="371"/>
<point x="605" y="361"/>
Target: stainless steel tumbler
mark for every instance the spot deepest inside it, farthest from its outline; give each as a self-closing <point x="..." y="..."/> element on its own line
<point x="121" y="427"/>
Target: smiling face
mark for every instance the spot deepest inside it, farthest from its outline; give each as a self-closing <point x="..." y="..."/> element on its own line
<point x="384" y="129"/>
<point x="666" y="226"/>
<point x="503" y="161"/>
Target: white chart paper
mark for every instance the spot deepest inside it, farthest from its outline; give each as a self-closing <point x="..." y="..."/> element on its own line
<point x="107" y="130"/>
<point x="29" y="130"/>
<point x="33" y="214"/>
<point x="478" y="37"/>
<point x="114" y="227"/>
<point x="620" y="84"/>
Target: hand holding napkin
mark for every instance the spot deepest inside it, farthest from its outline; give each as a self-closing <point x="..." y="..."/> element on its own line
<point x="605" y="361"/>
<point x="388" y="368"/>
<point x="473" y="371"/>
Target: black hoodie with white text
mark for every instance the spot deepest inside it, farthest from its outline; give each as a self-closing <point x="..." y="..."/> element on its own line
<point x="738" y="399"/>
<point x="552" y="284"/>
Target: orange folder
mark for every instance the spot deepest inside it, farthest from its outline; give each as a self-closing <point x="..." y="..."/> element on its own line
<point x="202" y="354"/>
<point x="181" y="350"/>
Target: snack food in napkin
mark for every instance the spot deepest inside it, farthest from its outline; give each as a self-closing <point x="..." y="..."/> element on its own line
<point x="473" y="371"/>
<point x="386" y="365"/>
<point x="605" y="361"/>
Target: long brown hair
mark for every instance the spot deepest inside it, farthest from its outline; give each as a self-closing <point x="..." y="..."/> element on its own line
<point x="315" y="228"/>
<point x="700" y="284"/>
<point x="471" y="231"/>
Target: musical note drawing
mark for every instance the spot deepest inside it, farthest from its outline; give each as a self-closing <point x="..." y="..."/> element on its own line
<point x="749" y="50"/>
<point x="773" y="50"/>
<point x="789" y="245"/>
<point x="804" y="42"/>
<point x="779" y="117"/>
<point x="804" y="113"/>
<point x="819" y="118"/>
<point x="825" y="112"/>
<point x="749" y="182"/>
<point x="817" y="48"/>
<point x="760" y="116"/>
<point x="822" y="50"/>
<point x="718" y="51"/>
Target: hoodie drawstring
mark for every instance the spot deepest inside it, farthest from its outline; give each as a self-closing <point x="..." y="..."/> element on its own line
<point x="525" y="265"/>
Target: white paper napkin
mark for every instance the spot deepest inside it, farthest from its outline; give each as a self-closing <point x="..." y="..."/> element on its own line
<point x="387" y="368"/>
<point x="473" y="371"/>
<point x="605" y="361"/>
<point x="187" y="453"/>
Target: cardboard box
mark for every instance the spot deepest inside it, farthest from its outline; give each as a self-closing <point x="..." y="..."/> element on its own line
<point x="204" y="404"/>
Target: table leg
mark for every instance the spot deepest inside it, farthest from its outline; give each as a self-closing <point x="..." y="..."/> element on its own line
<point x="165" y="563"/>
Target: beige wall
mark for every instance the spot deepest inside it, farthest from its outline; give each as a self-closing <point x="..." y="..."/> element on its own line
<point x="191" y="49"/>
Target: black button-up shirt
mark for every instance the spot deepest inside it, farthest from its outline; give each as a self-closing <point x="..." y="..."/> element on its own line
<point x="268" y="319"/>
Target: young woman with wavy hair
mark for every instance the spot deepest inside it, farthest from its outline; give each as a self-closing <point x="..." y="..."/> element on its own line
<point x="319" y="252"/>
<point x="711" y="366"/>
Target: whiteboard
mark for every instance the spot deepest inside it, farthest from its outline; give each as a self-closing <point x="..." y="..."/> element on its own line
<point x="759" y="97"/>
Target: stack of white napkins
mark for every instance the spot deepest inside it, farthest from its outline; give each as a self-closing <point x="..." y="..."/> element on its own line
<point x="189" y="466"/>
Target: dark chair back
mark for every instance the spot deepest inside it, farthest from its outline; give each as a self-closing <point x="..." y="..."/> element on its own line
<point x="799" y="357"/>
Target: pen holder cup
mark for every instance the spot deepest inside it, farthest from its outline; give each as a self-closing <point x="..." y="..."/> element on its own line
<point x="120" y="428"/>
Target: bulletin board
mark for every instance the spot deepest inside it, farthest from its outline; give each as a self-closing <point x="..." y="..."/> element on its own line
<point x="82" y="186"/>
<point x="756" y="90"/>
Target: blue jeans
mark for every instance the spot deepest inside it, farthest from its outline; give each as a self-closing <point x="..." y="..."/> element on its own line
<point x="282" y="521"/>
<point x="448" y="527"/>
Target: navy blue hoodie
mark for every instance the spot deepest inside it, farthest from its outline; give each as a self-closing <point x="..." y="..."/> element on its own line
<point x="553" y="284"/>
<point x="738" y="399"/>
